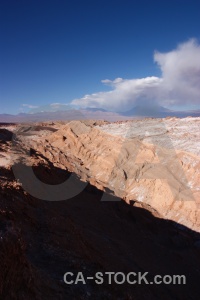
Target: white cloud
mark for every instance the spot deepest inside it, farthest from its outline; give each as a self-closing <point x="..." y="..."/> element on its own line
<point x="57" y="104"/>
<point x="181" y="73"/>
<point x="178" y="85"/>
<point x="30" y="106"/>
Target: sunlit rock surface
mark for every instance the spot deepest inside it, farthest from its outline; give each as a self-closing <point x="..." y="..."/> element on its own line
<point x="150" y="161"/>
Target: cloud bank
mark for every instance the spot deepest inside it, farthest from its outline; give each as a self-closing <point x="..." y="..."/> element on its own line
<point x="179" y="84"/>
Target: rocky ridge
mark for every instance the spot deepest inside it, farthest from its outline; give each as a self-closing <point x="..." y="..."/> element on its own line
<point x="166" y="179"/>
<point x="41" y="240"/>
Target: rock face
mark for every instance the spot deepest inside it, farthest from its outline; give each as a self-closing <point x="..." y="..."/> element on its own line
<point x="160" y="174"/>
<point x="42" y="240"/>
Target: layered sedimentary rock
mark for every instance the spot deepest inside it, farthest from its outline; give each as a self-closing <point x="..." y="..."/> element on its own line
<point x="157" y="174"/>
<point x="42" y="240"/>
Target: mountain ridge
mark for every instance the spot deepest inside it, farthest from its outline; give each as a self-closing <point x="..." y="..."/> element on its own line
<point x="95" y="113"/>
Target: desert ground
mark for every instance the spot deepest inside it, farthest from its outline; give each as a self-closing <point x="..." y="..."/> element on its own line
<point x="96" y="196"/>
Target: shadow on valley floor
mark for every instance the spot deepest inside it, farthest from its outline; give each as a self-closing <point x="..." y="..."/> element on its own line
<point x="41" y="240"/>
<point x="5" y="135"/>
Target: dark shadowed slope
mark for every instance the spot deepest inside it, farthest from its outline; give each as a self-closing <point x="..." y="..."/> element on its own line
<point x="42" y="240"/>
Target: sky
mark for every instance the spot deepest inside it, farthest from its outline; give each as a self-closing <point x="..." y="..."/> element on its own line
<point x="111" y="54"/>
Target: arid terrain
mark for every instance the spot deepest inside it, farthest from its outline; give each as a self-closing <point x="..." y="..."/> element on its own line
<point x="154" y="161"/>
<point x="97" y="196"/>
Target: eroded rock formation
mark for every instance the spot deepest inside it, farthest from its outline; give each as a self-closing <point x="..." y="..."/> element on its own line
<point x="162" y="177"/>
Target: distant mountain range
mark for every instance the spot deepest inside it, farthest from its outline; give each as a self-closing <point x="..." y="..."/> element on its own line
<point x="54" y="107"/>
<point x="95" y="109"/>
<point x="71" y="114"/>
<point x="67" y="113"/>
<point x="57" y="107"/>
<point x="157" y="111"/>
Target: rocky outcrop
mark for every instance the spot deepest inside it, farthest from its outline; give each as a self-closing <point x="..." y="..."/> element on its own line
<point x="42" y="240"/>
<point x="165" y="179"/>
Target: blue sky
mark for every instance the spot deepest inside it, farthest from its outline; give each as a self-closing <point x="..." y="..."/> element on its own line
<point x="58" y="51"/>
